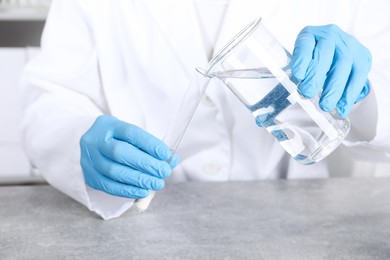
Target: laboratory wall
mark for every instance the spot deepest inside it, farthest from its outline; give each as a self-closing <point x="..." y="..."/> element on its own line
<point x="21" y="24"/>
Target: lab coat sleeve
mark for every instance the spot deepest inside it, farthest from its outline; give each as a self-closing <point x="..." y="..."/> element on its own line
<point x="369" y="137"/>
<point x="62" y="97"/>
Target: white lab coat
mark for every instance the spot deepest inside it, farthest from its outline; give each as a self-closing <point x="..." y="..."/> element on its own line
<point x="133" y="59"/>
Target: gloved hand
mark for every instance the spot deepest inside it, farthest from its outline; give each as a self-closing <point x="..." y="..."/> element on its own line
<point x="123" y="160"/>
<point x="328" y="59"/>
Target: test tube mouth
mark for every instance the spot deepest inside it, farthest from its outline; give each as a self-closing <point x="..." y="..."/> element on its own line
<point x="203" y="72"/>
<point x="232" y="44"/>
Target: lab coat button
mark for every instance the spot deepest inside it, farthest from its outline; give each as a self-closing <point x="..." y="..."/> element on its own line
<point x="207" y="101"/>
<point x="211" y="168"/>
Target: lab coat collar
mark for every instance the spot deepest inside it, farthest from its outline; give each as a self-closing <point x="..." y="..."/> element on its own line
<point x="180" y="28"/>
<point x="239" y="14"/>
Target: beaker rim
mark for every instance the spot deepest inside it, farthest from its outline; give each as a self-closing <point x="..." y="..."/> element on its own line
<point x="233" y="43"/>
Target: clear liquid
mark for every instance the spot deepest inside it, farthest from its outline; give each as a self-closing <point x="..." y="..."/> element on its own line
<point x="283" y="114"/>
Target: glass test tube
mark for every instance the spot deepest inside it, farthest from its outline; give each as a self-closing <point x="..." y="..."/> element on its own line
<point x="177" y="128"/>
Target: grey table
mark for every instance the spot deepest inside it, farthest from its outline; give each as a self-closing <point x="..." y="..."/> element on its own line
<point x="316" y="219"/>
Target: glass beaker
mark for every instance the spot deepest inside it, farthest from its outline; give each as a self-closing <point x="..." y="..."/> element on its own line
<point x="257" y="68"/>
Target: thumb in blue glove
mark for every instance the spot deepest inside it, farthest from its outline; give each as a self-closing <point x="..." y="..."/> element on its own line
<point x="124" y="160"/>
<point x="328" y="59"/>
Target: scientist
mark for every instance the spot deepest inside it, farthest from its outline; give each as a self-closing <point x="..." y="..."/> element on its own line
<point x="101" y="93"/>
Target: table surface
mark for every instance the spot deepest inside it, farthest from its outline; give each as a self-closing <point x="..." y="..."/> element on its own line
<point x="311" y="219"/>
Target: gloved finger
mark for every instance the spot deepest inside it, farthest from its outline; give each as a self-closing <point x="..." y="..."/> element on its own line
<point x="355" y="85"/>
<point x="302" y="54"/>
<point x="133" y="157"/>
<point x="174" y="161"/>
<point x="141" y="139"/>
<point x="100" y="182"/>
<point x="318" y="68"/>
<point x="127" y="175"/>
<point x="364" y="93"/>
<point x="337" y="79"/>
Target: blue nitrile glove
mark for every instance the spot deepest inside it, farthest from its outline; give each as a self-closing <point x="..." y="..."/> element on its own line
<point x="328" y="59"/>
<point x="123" y="160"/>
